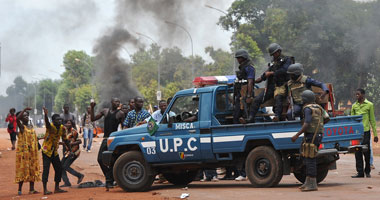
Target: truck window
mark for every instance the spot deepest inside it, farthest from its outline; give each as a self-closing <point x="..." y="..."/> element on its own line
<point x="224" y="101"/>
<point x="184" y="109"/>
<point x="224" y="106"/>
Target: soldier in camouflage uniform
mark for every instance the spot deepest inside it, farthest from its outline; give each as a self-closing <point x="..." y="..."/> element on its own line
<point x="315" y="117"/>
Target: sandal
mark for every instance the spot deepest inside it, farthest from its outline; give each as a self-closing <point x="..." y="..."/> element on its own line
<point x="59" y="191"/>
<point x="33" y="192"/>
<point x="47" y="193"/>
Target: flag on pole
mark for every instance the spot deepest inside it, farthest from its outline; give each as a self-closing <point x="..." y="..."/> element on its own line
<point x="152" y="126"/>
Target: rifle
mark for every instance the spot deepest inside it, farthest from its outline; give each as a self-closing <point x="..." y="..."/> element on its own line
<point x="270" y="69"/>
<point x="243" y="98"/>
<point x="291" y="103"/>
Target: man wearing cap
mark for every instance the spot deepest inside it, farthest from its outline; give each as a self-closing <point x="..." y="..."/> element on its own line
<point x="296" y="85"/>
<point x="276" y="78"/>
<point x="243" y="88"/>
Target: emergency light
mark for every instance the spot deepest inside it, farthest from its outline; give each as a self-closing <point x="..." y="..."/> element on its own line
<point x="203" y="81"/>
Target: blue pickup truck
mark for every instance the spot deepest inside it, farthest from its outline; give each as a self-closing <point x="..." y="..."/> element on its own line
<point x="199" y="134"/>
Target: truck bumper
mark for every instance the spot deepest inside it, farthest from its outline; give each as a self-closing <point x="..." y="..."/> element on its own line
<point x="356" y="148"/>
<point x="107" y="158"/>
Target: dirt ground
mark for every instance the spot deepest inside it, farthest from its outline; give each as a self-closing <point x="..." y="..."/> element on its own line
<point x="337" y="185"/>
<point x="86" y="164"/>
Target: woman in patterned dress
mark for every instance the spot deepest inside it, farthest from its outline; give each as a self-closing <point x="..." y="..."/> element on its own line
<point x="27" y="164"/>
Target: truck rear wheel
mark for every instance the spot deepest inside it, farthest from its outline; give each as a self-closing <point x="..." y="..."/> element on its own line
<point x="132" y="172"/>
<point x="181" y="178"/>
<point x="264" y="167"/>
<point x="321" y="174"/>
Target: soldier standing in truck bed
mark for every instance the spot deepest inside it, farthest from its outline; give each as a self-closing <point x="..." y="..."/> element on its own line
<point x="276" y="78"/>
<point x="243" y="88"/>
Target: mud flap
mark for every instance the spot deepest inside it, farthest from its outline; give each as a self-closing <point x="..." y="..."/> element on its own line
<point x="107" y="158"/>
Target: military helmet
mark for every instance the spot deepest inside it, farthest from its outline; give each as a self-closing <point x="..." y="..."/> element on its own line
<point x="295" y="68"/>
<point x="273" y="48"/>
<point x="308" y="96"/>
<point x="242" y="53"/>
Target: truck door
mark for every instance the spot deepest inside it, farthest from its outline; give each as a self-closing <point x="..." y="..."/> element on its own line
<point x="179" y="141"/>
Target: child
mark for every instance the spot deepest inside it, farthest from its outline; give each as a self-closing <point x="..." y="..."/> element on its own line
<point x="71" y="156"/>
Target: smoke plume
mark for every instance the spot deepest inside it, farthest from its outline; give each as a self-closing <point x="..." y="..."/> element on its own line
<point x="112" y="72"/>
<point x="147" y="17"/>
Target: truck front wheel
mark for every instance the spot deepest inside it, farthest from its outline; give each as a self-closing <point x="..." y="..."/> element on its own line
<point x="181" y="178"/>
<point x="132" y="172"/>
<point x="264" y="167"/>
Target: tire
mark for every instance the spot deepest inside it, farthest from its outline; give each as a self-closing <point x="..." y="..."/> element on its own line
<point x="132" y="172"/>
<point x="182" y="178"/>
<point x="321" y="174"/>
<point x="264" y="167"/>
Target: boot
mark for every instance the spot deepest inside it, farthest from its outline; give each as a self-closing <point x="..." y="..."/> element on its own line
<point x="304" y="184"/>
<point x="311" y="185"/>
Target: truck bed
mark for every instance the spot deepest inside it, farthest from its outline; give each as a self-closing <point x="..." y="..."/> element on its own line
<point x="339" y="132"/>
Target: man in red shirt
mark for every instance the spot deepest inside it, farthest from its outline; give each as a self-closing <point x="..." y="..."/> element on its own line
<point x="12" y="124"/>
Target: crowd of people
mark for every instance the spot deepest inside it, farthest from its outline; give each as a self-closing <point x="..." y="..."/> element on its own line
<point x="285" y="82"/>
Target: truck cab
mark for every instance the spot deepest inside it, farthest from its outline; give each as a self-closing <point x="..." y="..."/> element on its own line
<point x="197" y="132"/>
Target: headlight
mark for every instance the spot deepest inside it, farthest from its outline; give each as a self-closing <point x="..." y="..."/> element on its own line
<point x="110" y="140"/>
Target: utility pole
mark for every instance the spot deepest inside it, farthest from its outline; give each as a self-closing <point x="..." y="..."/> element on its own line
<point x="0" y="59"/>
<point x="233" y="37"/>
<point x="191" y="41"/>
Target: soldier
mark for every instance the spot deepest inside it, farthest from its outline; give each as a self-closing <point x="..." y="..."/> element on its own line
<point x="315" y="117"/>
<point x="243" y="87"/>
<point x="276" y="78"/>
<point x="296" y="85"/>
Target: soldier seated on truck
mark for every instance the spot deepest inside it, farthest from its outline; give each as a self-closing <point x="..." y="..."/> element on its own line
<point x="296" y="85"/>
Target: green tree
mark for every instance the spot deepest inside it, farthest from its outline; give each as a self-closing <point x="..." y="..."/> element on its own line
<point x="222" y="64"/>
<point x="334" y="40"/>
<point x="46" y="92"/>
<point x="75" y="80"/>
<point x="83" y="97"/>
<point x="17" y="93"/>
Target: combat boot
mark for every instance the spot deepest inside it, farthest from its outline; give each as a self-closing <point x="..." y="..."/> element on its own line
<point x="304" y="184"/>
<point x="311" y="185"/>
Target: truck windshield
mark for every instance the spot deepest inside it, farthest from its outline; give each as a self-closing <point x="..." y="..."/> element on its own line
<point x="185" y="109"/>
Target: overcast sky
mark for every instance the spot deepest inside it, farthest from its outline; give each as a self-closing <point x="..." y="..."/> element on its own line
<point x="35" y="34"/>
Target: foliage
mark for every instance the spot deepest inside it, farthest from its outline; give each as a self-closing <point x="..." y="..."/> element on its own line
<point x="75" y="87"/>
<point x="46" y="91"/>
<point x="83" y="97"/>
<point x="336" y="41"/>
